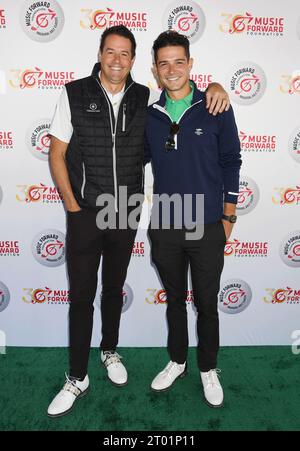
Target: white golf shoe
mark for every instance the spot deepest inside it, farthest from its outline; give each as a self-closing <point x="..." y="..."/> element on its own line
<point x="64" y="400"/>
<point x="116" y="371"/>
<point x="166" y="378"/>
<point x="213" y="391"/>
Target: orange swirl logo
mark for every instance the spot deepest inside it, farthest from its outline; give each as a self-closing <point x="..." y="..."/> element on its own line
<point x="38" y="78"/>
<point x="230" y="247"/>
<point x="29" y="78"/>
<point x="251" y="25"/>
<point x="38" y="193"/>
<point x="159" y="297"/>
<point x="290" y="84"/>
<point x="282" y="295"/>
<point x="239" y="23"/>
<point x="100" y="18"/>
<point x="45" y="295"/>
<point x="287" y="196"/>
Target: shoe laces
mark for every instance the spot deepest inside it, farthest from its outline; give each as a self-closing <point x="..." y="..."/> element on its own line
<point x="212" y="377"/>
<point x="111" y="357"/>
<point x="170" y="367"/>
<point x="70" y="386"/>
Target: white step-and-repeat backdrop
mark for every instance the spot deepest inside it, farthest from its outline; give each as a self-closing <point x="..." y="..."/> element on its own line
<point x="253" y="49"/>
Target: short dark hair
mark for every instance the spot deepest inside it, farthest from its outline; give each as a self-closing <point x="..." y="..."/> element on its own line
<point x="171" y="38"/>
<point x="120" y="30"/>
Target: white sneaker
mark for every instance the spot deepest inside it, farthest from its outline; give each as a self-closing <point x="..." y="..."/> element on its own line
<point x="168" y="376"/>
<point x="213" y="391"/>
<point x="64" y="400"/>
<point x="116" y="371"/>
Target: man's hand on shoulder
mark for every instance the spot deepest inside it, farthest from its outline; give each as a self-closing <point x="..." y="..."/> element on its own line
<point x="217" y="99"/>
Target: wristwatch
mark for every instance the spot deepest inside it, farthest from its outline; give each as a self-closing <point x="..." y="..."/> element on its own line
<point x="231" y="218"/>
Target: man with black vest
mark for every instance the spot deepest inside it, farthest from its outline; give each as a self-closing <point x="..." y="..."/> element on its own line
<point x="97" y="146"/>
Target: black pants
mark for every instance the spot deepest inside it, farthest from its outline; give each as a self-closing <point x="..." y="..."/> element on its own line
<point x="172" y="254"/>
<point x="85" y="245"/>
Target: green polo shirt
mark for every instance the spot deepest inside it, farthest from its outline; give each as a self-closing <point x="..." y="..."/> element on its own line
<point x="176" y="108"/>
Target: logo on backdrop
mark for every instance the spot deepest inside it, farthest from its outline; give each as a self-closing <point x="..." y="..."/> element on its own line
<point x="294" y="145"/>
<point x="290" y="83"/>
<point x="45" y="296"/>
<point x="236" y="248"/>
<point x="39" y="79"/>
<point x="290" y="249"/>
<point x="257" y="143"/>
<point x="234" y="296"/>
<point x="251" y="25"/>
<point x="186" y="18"/>
<point x="42" y="21"/>
<point x="246" y="83"/>
<point x="248" y="196"/>
<point x="39" y="193"/>
<point x="2" y="19"/>
<point x="48" y="247"/>
<point x="38" y="139"/>
<point x="202" y="80"/>
<point x="155" y="296"/>
<point x="6" y="140"/>
<point x="287" y="196"/>
<point x="101" y="18"/>
<point x="9" y="248"/>
<point x="138" y="249"/>
<point x="282" y="295"/>
<point x="4" y="296"/>
<point x="127" y="298"/>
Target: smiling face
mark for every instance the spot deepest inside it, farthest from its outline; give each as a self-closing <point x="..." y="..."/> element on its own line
<point x="116" y="62"/>
<point x="173" y="70"/>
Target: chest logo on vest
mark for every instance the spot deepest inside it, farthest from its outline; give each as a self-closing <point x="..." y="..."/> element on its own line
<point x="93" y="108"/>
<point x="198" y="131"/>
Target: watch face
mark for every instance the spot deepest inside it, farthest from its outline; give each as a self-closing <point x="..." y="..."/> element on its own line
<point x="232" y="218"/>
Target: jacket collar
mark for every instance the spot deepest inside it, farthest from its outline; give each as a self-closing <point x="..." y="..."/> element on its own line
<point x="97" y="69"/>
<point x="198" y="95"/>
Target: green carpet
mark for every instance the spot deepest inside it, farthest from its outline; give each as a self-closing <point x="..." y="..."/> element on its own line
<point x="261" y="386"/>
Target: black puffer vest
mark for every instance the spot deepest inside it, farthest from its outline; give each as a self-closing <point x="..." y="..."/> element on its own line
<point x="104" y="154"/>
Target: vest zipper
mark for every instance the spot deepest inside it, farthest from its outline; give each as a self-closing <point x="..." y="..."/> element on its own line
<point x="124" y="118"/>
<point x="83" y="181"/>
<point x="113" y="135"/>
<point x="160" y="108"/>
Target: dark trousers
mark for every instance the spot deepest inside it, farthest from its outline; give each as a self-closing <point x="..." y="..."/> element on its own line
<point x="172" y="254"/>
<point x="86" y="243"/>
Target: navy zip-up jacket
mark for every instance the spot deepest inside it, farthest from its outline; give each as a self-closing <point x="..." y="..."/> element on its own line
<point x="207" y="159"/>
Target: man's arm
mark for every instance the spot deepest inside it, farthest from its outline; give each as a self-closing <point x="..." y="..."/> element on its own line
<point x="230" y="161"/>
<point x="59" y="171"/>
<point x="229" y="209"/>
<point x="217" y="99"/>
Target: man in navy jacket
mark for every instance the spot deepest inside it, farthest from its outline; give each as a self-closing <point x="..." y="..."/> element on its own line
<point x="192" y="153"/>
